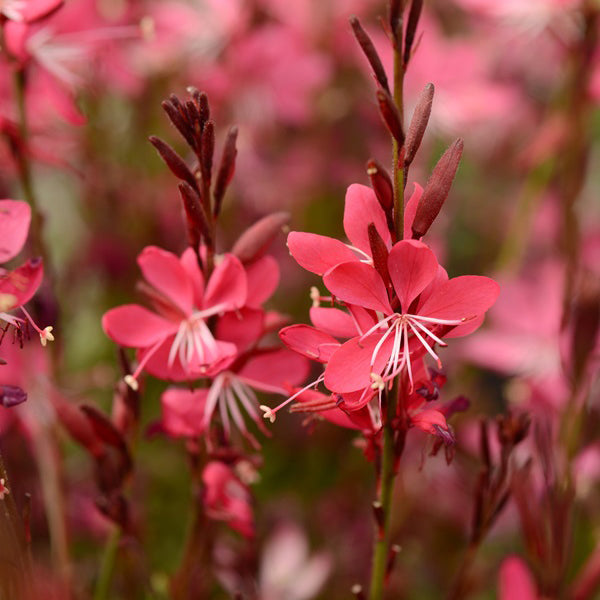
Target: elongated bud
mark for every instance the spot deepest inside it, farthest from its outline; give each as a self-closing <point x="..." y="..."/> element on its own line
<point x="395" y="549"/>
<point x="175" y="163"/>
<point x="418" y="123"/>
<point x="396" y="10"/>
<point x="179" y="122"/>
<point x="362" y="37"/>
<point x="226" y="169"/>
<point x="381" y="182"/>
<point x="390" y="115"/>
<point x="253" y="243"/>
<point x="437" y="189"/>
<point x="411" y="28"/>
<point x="379" y="253"/>
<point x="197" y="218"/>
<point x="207" y="151"/>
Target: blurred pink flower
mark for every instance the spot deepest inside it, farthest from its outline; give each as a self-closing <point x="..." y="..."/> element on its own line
<point x="177" y="343"/>
<point x="28" y="10"/>
<point x="515" y="581"/>
<point x="227" y="499"/>
<point x="287" y="572"/>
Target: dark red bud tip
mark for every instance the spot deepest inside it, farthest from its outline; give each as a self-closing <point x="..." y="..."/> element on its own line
<point x="381" y="183"/>
<point x="175" y="163"/>
<point x="11" y="395"/>
<point x="411" y="28"/>
<point x="253" y="243"/>
<point x="437" y="189"/>
<point x="391" y="116"/>
<point x="370" y="52"/>
<point x="226" y="169"/>
<point x="418" y="123"/>
<point x="171" y="107"/>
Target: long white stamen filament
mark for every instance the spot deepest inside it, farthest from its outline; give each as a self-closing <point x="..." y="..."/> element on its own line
<point x="426" y="345"/>
<point x="269" y="413"/>
<point x="431" y="335"/>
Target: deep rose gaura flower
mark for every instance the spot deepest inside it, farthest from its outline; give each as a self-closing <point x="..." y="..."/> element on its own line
<point x="175" y="342"/>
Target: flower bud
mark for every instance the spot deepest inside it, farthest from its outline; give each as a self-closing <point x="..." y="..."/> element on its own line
<point x="418" y="123"/>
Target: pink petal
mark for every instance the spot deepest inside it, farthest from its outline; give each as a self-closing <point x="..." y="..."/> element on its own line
<point x="263" y="278"/>
<point x="349" y="368"/>
<point x="274" y="370"/>
<point x="358" y="283"/>
<point x="461" y="297"/>
<point x="362" y="208"/>
<point x="309" y="342"/>
<point x="189" y="261"/>
<point x="164" y="271"/>
<point x="22" y="283"/>
<point x="333" y="321"/>
<point x="34" y="10"/>
<point x="318" y="253"/>
<point x="227" y="286"/>
<point x="410" y="210"/>
<point x="15" y="216"/>
<point x="134" y="326"/>
<point x="515" y="581"/>
<point x="412" y="266"/>
<point x="467" y="329"/>
<point x="241" y="327"/>
<point x="183" y="412"/>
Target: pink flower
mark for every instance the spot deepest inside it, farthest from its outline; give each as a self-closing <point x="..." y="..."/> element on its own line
<point x="424" y="307"/>
<point x="18" y="286"/>
<point x="226" y="498"/>
<point x="28" y="10"/>
<point x="175" y="342"/>
<point x="515" y="581"/>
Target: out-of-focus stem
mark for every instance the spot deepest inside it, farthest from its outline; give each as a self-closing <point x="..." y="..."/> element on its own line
<point x="107" y="566"/>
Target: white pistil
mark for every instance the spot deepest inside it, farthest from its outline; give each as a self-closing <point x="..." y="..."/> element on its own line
<point x="271" y="412"/>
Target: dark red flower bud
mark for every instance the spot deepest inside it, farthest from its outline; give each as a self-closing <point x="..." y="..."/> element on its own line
<point x="390" y="115"/>
<point x="370" y="52"/>
<point x="381" y="182"/>
<point x="175" y="163"/>
<point x="198" y="224"/>
<point x="379" y="252"/>
<point x="411" y="28"/>
<point x="437" y="189"/>
<point x="226" y="169"/>
<point x="418" y="124"/>
<point x="179" y="120"/>
<point x="253" y="243"/>
<point x="207" y="151"/>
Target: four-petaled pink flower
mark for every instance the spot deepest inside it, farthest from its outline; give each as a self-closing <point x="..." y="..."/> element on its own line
<point x="415" y="310"/>
<point x="176" y="342"/>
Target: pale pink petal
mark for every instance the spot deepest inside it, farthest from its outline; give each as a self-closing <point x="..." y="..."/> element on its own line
<point x="263" y="278"/>
<point x="318" y="253"/>
<point x="358" y="283"/>
<point x="362" y="208"/>
<point x="412" y="267"/>
<point x="333" y="321"/>
<point x="189" y="261"/>
<point x="164" y="271"/>
<point x="22" y="283"/>
<point x="462" y="297"/>
<point x="410" y="210"/>
<point x="274" y="370"/>
<point x="227" y="286"/>
<point x="183" y="412"/>
<point x="15" y="216"/>
<point x="134" y="326"/>
<point x="241" y="327"/>
<point x="349" y="368"/>
<point x="515" y="581"/>
<point x="308" y="341"/>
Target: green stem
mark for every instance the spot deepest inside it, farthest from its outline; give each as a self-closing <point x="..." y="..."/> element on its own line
<point x="107" y="565"/>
